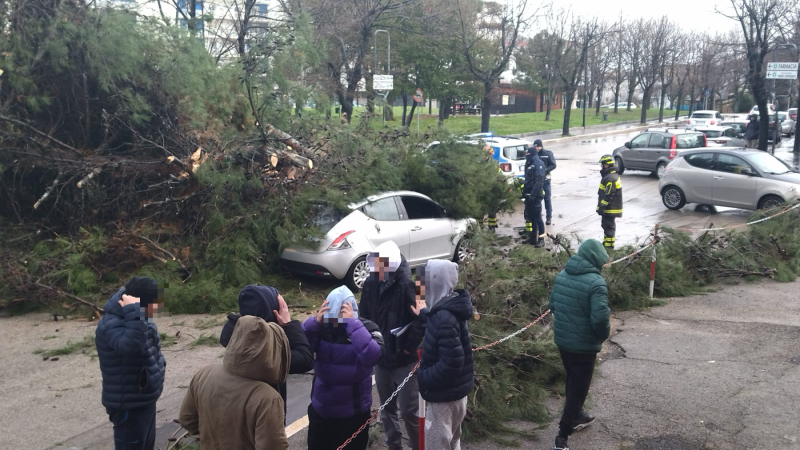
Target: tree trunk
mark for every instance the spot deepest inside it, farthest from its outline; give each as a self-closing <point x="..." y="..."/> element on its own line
<point x="388" y="110"/>
<point x="691" y="100"/>
<point x="616" y="98"/>
<point x="645" y="105"/>
<point x="567" y="112"/>
<point x="678" y="106"/>
<point x="597" y="104"/>
<point x="346" y="99"/>
<point x="411" y="114"/>
<point x="541" y="103"/>
<point x="486" y="106"/>
<point x="796" y="139"/>
<point x="549" y="104"/>
<point x="661" y="107"/>
<point x="370" y="94"/>
<point x="631" y="89"/>
<point x="405" y="106"/>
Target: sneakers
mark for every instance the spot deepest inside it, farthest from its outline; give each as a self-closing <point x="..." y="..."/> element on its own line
<point x="561" y="444"/>
<point x="583" y="421"/>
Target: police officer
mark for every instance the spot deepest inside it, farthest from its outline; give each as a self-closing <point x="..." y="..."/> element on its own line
<point x="609" y="201"/>
<point x="549" y="165"/>
<point x="533" y="193"/>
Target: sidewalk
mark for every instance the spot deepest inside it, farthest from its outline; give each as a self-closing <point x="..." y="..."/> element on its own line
<point x="553" y="136"/>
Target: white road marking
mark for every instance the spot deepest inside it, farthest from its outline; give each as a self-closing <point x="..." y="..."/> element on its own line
<point x="302" y="423"/>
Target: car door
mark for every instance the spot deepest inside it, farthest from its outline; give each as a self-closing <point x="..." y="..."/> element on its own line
<point x="633" y="158"/>
<point x="431" y="233"/>
<point x="656" y="148"/>
<point x="732" y="187"/>
<point x="698" y="178"/>
<point x="386" y="223"/>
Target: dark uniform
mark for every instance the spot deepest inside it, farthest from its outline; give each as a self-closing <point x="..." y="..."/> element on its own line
<point x="533" y="193"/>
<point x="609" y="201"/>
<point x="549" y="165"/>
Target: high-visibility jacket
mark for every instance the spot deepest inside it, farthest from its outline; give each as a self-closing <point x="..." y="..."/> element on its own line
<point x="609" y="195"/>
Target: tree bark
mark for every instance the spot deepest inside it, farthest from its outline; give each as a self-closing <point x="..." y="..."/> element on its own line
<point x="548" y="104"/>
<point x="691" y="100"/>
<point x="567" y="112"/>
<point x="645" y="105"/>
<point x="410" y="119"/>
<point x="631" y="89"/>
<point x="597" y="103"/>
<point x="661" y="107"/>
<point x="680" y="101"/>
<point x="486" y="107"/>
<point x="405" y="106"/>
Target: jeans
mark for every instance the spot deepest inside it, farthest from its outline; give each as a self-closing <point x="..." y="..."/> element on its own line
<point x="134" y="429"/>
<point x="548" y="205"/>
<point x="579" y="367"/>
<point x="534" y="224"/>
<point x="387" y="381"/>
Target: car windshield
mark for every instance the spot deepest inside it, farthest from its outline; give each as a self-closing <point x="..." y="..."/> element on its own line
<point x="769" y="164"/>
<point x="324" y="217"/>
<point x="515" y="152"/>
<point x="702" y="116"/>
<point x="713" y="134"/>
<point x="689" y="140"/>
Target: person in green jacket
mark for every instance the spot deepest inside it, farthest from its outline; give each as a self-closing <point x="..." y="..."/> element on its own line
<point x="579" y="303"/>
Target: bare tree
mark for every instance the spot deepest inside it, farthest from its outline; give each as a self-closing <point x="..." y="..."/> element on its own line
<point x="760" y="21"/>
<point x="617" y="47"/>
<point x="634" y="42"/>
<point x="489" y="35"/>
<point x="656" y="35"/>
<point x="675" y="44"/>
<point x="599" y="63"/>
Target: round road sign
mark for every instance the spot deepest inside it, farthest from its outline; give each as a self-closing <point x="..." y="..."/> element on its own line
<point x="418" y="95"/>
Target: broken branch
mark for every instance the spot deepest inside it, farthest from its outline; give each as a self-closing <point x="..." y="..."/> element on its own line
<point x="88" y="177"/>
<point x="49" y="190"/>
<point x="60" y="292"/>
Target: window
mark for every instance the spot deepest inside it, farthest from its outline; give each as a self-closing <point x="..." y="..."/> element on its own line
<point x="515" y="153"/>
<point x="689" y="140"/>
<point x="261" y="9"/>
<point x="701" y="160"/>
<point x="702" y="116"/>
<point x="769" y="164"/>
<point x="730" y="132"/>
<point x="384" y="209"/>
<point x="730" y="164"/>
<point x="324" y="217"/>
<point x="712" y="133"/>
<point x="512" y="99"/>
<point x="659" y="141"/>
<point x="505" y="100"/>
<point x="640" y="141"/>
<point x="419" y="208"/>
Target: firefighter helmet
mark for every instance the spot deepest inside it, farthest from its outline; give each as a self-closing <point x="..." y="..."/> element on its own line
<point x="607" y="159"/>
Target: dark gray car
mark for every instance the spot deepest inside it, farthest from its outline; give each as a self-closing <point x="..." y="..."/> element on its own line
<point x="655" y="148"/>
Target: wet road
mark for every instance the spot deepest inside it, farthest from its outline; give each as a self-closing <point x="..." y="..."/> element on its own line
<point x="574" y="195"/>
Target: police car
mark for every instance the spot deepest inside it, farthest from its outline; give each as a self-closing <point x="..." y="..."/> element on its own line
<point x="509" y="153"/>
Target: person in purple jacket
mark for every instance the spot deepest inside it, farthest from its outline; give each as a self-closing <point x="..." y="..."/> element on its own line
<point x="347" y="349"/>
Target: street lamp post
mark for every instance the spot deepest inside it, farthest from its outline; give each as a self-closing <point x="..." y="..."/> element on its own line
<point x="773" y="96"/>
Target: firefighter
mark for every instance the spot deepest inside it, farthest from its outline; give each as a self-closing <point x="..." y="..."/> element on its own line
<point x="533" y="193"/>
<point x="609" y="201"/>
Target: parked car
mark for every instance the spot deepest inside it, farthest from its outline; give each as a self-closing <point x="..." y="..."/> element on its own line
<point x="509" y="153"/>
<point x="655" y="148"/>
<point x="737" y="178"/>
<point x="771" y="107"/>
<point x="622" y="105"/>
<point x="721" y="136"/>
<point x="700" y="118"/>
<point x="417" y="224"/>
<point x="793" y="114"/>
<point x="788" y="125"/>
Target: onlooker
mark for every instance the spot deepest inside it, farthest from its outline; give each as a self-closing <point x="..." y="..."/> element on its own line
<point x="751" y="131"/>
<point x="446" y="373"/>
<point x="387" y="298"/>
<point x="129" y="350"/>
<point x="579" y="303"/>
<point x="533" y="192"/>
<point x="235" y="405"/>
<point x="347" y="348"/>
<point x="267" y="303"/>
<point x="549" y="166"/>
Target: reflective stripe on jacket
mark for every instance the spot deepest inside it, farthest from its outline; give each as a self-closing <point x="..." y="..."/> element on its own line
<point x="609" y="194"/>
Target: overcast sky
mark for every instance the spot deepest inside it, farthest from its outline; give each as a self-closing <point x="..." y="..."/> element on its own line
<point x="690" y="15"/>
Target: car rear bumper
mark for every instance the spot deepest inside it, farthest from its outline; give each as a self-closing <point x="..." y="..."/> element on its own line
<point x="329" y="264"/>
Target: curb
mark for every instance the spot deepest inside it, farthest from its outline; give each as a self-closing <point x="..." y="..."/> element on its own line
<point x="539" y="133"/>
<point x="610" y="132"/>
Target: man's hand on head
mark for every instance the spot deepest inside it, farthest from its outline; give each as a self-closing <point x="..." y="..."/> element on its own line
<point x="282" y="315"/>
<point x="127" y="300"/>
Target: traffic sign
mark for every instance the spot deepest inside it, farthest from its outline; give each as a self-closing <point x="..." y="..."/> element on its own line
<point x="382" y="82"/>
<point x="773" y="66"/>
<point x="418" y="96"/>
<point x="782" y="75"/>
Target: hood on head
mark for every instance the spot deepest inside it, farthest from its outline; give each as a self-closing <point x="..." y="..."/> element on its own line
<point x="259" y="301"/>
<point x="336" y="300"/>
<point x="439" y="278"/>
<point x="259" y="351"/>
<point x="593" y="251"/>
<point x="386" y="250"/>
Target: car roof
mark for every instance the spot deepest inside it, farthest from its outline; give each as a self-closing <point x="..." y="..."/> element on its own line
<point x="668" y="130"/>
<point x="490" y="138"/>
<point x="711" y="128"/>
<point x="387" y="194"/>
<point x="731" y="150"/>
<point x="710" y="111"/>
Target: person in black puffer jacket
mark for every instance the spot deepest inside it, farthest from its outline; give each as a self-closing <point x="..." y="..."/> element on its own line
<point x="266" y="302"/>
<point x="129" y="351"/>
<point x="446" y="373"/>
<point x="387" y="299"/>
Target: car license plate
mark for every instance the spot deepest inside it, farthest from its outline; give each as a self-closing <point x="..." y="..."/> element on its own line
<point x="701" y="122"/>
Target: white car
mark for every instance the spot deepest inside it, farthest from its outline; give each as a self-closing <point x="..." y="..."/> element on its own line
<point x="787" y="124"/>
<point x="770" y="106"/>
<point x="417" y="224"/>
<point x="702" y="118"/>
<point x="719" y="136"/>
<point x="509" y="152"/>
<point x="621" y="105"/>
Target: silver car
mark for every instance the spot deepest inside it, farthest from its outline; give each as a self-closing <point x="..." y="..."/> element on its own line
<point x="737" y="178"/>
<point x="787" y="124"/>
<point x="417" y="224"/>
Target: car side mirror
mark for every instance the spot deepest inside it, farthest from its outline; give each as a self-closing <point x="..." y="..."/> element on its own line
<point x="748" y="171"/>
<point x="628" y="144"/>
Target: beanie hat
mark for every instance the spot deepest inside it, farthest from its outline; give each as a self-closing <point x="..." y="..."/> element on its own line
<point x="538" y="143"/>
<point x="146" y="289"/>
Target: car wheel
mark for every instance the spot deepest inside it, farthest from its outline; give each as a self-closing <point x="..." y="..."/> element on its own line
<point x="661" y="170"/>
<point x="620" y="166"/>
<point x="770" y="201"/>
<point x="673" y="198"/>
<point x="358" y="274"/>
<point x="464" y="251"/>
